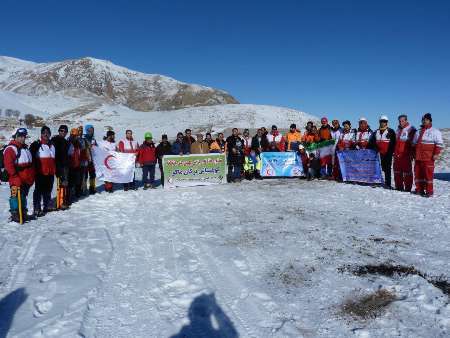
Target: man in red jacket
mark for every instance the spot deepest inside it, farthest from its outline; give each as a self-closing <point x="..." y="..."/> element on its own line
<point x="43" y="152"/>
<point x="403" y="175"/>
<point x="428" y="145"/>
<point x="19" y="166"/>
<point x="147" y="160"/>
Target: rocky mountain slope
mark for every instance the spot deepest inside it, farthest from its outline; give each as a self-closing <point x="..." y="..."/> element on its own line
<point x="106" y="82"/>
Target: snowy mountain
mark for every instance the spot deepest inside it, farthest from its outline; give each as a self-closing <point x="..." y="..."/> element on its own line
<point x="106" y="82"/>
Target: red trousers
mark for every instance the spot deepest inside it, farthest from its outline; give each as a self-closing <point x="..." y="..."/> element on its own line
<point x="403" y="174"/>
<point x="424" y="172"/>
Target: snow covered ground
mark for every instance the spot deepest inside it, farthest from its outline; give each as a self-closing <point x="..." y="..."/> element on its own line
<point x="268" y="258"/>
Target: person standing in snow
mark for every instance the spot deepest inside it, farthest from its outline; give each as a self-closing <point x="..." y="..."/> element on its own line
<point x="428" y="145"/>
<point x="293" y="138"/>
<point x="163" y="148"/>
<point x="199" y="146"/>
<point x="179" y="147"/>
<point x="208" y="139"/>
<point x="252" y="165"/>
<point x="129" y="146"/>
<point x="61" y="145"/>
<point x="383" y="140"/>
<point x="74" y="154"/>
<point x="18" y="163"/>
<point x="403" y="155"/>
<point x="326" y="161"/>
<point x="260" y="142"/>
<point x="188" y="139"/>
<point x="235" y="155"/>
<point x="275" y="136"/>
<point x="336" y="130"/>
<point x="346" y="141"/>
<point x="247" y="142"/>
<point x="219" y="145"/>
<point x="363" y="134"/>
<point x="43" y="153"/>
<point x="324" y="130"/>
<point x="147" y="160"/>
<point x="310" y="135"/>
<point x="109" y="144"/>
<point x="90" y="142"/>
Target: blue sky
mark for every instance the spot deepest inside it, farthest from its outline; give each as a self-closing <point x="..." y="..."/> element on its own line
<point x="340" y="58"/>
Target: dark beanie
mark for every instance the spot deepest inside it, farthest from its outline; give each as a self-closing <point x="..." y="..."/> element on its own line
<point x="293" y="125"/>
<point x="110" y="133"/>
<point x="44" y="129"/>
<point x="164" y="137"/>
<point x="428" y="117"/>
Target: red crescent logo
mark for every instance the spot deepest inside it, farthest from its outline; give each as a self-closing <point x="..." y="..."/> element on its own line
<point x="106" y="161"/>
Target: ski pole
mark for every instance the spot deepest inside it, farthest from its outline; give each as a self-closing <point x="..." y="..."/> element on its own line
<point x="19" y="196"/>
<point x="58" y="192"/>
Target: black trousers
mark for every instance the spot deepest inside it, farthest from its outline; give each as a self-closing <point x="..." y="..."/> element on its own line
<point x="386" y="166"/>
<point x="42" y="191"/>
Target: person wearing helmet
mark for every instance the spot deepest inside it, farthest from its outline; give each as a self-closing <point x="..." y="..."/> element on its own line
<point x="403" y="175"/>
<point x="383" y="141"/>
<point x="43" y="152"/>
<point x="130" y="146"/>
<point x="363" y="134"/>
<point x="428" y="146"/>
<point x="18" y="163"/>
<point x="147" y="160"/>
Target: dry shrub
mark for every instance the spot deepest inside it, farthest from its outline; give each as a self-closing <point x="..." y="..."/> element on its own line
<point x="368" y="306"/>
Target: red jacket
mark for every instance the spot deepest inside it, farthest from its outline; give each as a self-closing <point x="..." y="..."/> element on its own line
<point x="427" y="142"/>
<point x="20" y="169"/>
<point x="44" y="157"/>
<point x="128" y="146"/>
<point x="147" y="153"/>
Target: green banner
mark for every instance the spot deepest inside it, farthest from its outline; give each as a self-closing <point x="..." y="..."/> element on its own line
<point x="192" y="170"/>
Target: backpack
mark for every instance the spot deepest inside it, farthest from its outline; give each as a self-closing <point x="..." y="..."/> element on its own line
<point x="4" y="176"/>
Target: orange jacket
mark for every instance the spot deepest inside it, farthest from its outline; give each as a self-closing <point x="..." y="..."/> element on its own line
<point x="295" y="137"/>
<point x="309" y="137"/>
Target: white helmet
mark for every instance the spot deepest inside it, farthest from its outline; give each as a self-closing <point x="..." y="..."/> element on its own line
<point x="362" y="119"/>
<point x="383" y="118"/>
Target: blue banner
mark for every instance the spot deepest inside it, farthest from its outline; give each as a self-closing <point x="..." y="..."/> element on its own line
<point x="360" y="166"/>
<point x="283" y="164"/>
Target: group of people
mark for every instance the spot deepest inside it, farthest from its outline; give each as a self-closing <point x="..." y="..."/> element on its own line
<point x="69" y="158"/>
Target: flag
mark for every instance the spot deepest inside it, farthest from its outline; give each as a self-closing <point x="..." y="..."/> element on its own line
<point x="324" y="149"/>
<point x="112" y="166"/>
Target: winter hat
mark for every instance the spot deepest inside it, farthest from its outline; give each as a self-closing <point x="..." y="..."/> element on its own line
<point x="63" y="127"/>
<point x="110" y="133"/>
<point x="87" y="127"/>
<point x="21" y="132"/>
<point x="362" y="119"/>
<point x="45" y="129"/>
<point x="301" y="147"/>
<point x="428" y="117"/>
<point x="293" y="126"/>
<point x="148" y="135"/>
<point x="323" y="120"/>
<point x="346" y="122"/>
<point x="384" y="118"/>
<point x="74" y="132"/>
<point x="164" y="137"/>
<point x="274" y="127"/>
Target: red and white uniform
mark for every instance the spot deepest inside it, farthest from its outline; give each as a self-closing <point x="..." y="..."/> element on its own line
<point x="335" y="134"/>
<point x="427" y="143"/>
<point x="278" y="139"/>
<point x="346" y="140"/>
<point x="20" y="169"/>
<point x="46" y="157"/>
<point x="247" y="145"/>
<point x="362" y="138"/>
<point x="383" y="140"/>
<point x="403" y="175"/>
<point x="128" y="146"/>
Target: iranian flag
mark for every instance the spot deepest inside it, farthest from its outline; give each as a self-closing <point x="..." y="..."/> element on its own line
<point x="324" y="150"/>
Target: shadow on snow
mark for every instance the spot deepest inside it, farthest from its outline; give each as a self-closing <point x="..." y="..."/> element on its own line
<point x="8" y="308"/>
